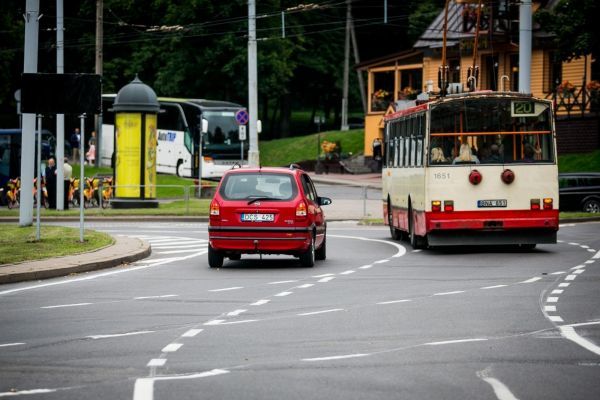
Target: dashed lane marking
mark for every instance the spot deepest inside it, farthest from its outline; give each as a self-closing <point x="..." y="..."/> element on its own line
<point x="235" y="313"/>
<point x="327" y="279"/>
<point x="283" y="294"/>
<point x="260" y="302"/>
<point x="305" y="286"/>
<point x="157" y="362"/>
<point x="448" y="293"/>
<point x="171" y="348"/>
<point x="27" y="392"/>
<point x="531" y="280"/>
<point x="347" y="272"/>
<point x="67" y="305"/>
<point x="321" y="312"/>
<point x="394" y="301"/>
<point x="192" y="333"/>
<point x="455" y="341"/>
<point x="280" y="282"/>
<point x="96" y="337"/>
<point x="227" y="289"/>
<point x="493" y="287"/>
<point x="164" y="296"/>
<point x="336" y="357"/>
<point x="11" y="344"/>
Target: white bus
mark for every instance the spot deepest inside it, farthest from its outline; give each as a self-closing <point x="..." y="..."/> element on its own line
<point x="502" y="188"/>
<point x="181" y="136"/>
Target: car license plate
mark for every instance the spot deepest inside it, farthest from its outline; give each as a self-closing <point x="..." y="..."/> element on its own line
<point x="258" y="217"/>
<point x="491" y="203"/>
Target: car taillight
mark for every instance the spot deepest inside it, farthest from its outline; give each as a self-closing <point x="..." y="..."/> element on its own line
<point x="507" y="176"/>
<point x="301" y="209"/>
<point x="214" y="208"/>
<point x="535" y="204"/>
<point x="448" y="205"/>
<point x="548" y="204"/>
<point x="436" y="205"/>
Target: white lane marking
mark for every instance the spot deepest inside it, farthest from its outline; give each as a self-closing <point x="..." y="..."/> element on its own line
<point x="244" y="321"/>
<point x="335" y="357"/>
<point x="156" y="362"/>
<point x="260" y="302"/>
<point x="279" y="282"/>
<point x="67" y="305"/>
<point x="557" y="291"/>
<point x="282" y="294"/>
<point x="306" y="285"/>
<point x="448" y="293"/>
<point x="574" y="244"/>
<point x="569" y="333"/>
<point x="227" y="289"/>
<point x="578" y="266"/>
<point x="172" y="239"/>
<point x="178" y="251"/>
<point x="555" y="318"/>
<point x="235" y="313"/>
<point x="366" y="266"/>
<point x="394" y="301"/>
<point x="214" y="322"/>
<point x="322" y="276"/>
<point x="182" y="246"/>
<point x="164" y="296"/>
<point x="560" y="241"/>
<point x="537" y="278"/>
<point x="401" y="250"/>
<point x="579" y="271"/>
<point x="417" y="251"/>
<point x="192" y="332"/>
<point x="591" y="250"/>
<point x="596" y="256"/>
<point x="323" y="280"/>
<point x="96" y="337"/>
<point x="501" y="391"/>
<point x="153" y="263"/>
<point x="558" y="273"/>
<point x="570" y="277"/>
<point x="27" y="392"/>
<point x="584" y="324"/>
<point x="381" y="261"/>
<point x="455" y="341"/>
<point x="494" y="287"/>
<point x="552" y="300"/>
<point x="550" y="308"/>
<point x="172" y="347"/>
<point x="144" y="387"/>
<point x="563" y="284"/>
<point x="583" y="246"/>
<point x="590" y="261"/>
<point x="347" y="272"/>
<point x="321" y="312"/>
<point x="11" y="344"/>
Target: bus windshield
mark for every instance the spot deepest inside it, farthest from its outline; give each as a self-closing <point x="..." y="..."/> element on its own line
<point x="222" y="129"/>
<point x="496" y="130"/>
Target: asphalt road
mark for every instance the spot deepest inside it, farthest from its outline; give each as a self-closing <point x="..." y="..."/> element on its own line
<point x="376" y="320"/>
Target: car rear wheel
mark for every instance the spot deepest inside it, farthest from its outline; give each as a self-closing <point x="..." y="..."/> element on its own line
<point x="307" y="259"/>
<point x="215" y="259"/>
<point x="321" y="252"/>
<point x="592" y="206"/>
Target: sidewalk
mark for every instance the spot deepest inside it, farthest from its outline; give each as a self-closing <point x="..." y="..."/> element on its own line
<point x="125" y="250"/>
<point x="372" y="180"/>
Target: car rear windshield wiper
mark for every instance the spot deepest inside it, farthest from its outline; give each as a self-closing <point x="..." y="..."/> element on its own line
<point x="262" y="198"/>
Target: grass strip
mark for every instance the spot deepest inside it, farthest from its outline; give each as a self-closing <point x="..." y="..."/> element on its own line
<point x="18" y="244"/>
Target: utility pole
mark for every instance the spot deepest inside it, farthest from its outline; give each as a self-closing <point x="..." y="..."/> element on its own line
<point x="60" y="118"/>
<point x="32" y="11"/>
<point x="361" y="82"/>
<point x="525" y="46"/>
<point x="99" y="71"/>
<point x="346" y="68"/>
<point x="253" y="153"/>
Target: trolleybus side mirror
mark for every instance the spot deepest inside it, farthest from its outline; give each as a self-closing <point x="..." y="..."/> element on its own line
<point x="204" y="125"/>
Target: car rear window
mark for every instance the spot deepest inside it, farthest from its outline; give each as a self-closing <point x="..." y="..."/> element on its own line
<point x="252" y="185"/>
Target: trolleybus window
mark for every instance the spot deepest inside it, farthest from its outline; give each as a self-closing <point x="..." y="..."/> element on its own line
<point x="506" y="130"/>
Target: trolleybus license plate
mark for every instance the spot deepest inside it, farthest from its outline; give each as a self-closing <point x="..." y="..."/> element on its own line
<point x="258" y="217"/>
<point x="491" y="203"/>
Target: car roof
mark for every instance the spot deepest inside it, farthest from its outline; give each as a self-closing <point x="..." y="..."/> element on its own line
<point x="292" y="170"/>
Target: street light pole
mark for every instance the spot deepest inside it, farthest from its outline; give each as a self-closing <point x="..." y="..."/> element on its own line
<point x="253" y="152"/>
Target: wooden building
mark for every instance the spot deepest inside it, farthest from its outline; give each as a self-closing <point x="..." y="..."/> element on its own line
<point x="404" y="75"/>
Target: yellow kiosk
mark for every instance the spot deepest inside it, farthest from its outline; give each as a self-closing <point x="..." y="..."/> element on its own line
<point x="136" y="107"/>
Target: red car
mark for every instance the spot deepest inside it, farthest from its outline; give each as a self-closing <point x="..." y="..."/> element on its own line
<point x="267" y="211"/>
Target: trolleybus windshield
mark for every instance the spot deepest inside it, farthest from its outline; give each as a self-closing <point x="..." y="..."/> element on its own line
<point x="498" y="130"/>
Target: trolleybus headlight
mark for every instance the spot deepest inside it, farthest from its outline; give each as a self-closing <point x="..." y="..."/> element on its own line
<point x="436" y="205"/>
<point x="548" y="204"/>
<point x="475" y="177"/>
<point x="448" y="205"/>
<point x="507" y="176"/>
<point x="535" y="204"/>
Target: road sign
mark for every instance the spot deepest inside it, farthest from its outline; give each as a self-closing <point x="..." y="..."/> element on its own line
<point x="242" y="132"/>
<point x="241" y="117"/>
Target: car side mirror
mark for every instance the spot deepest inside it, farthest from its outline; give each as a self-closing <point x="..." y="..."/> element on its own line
<point x="324" y="201"/>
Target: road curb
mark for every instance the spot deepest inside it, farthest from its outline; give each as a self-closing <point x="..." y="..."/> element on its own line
<point x="125" y="250"/>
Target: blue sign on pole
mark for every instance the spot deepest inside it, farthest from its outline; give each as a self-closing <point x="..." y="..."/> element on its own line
<point x="241" y="117"/>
